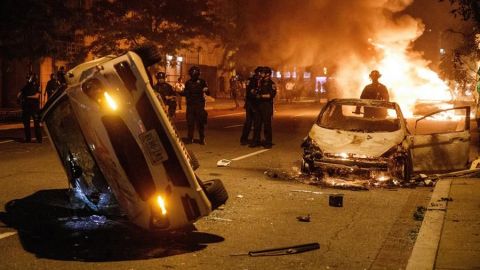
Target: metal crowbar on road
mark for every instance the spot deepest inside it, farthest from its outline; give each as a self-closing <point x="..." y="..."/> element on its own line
<point x="281" y="251"/>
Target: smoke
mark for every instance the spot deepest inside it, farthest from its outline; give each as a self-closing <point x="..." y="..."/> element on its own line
<point x="352" y="36"/>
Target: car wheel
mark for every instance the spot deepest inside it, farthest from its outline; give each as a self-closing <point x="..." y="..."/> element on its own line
<point x="193" y="160"/>
<point x="149" y="54"/>
<point x="305" y="167"/>
<point x="403" y="168"/>
<point x="216" y="192"/>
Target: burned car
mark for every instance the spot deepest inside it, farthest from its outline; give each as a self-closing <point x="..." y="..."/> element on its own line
<point x="116" y="143"/>
<point x="370" y="139"/>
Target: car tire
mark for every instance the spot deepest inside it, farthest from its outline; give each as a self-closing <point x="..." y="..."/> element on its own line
<point x="149" y="54"/>
<point x="193" y="160"/>
<point x="305" y="167"/>
<point x="216" y="192"/>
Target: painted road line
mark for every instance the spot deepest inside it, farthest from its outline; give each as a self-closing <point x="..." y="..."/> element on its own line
<point x="7" y="234"/>
<point x="9" y="141"/>
<point x="225" y="115"/>
<point x="213" y="117"/>
<point x="298" y="115"/>
<point x="249" y="155"/>
<point x="233" y="126"/>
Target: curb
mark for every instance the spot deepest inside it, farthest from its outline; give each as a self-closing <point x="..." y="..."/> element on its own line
<point x="424" y="251"/>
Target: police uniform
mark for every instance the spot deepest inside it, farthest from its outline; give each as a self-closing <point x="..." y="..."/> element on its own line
<point x="195" y="88"/>
<point x="52" y="86"/>
<point x="265" y="95"/>
<point x="376" y="91"/>
<point x="30" y="109"/>
<point x="250" y="107"/>
<point x="168" y="96"/>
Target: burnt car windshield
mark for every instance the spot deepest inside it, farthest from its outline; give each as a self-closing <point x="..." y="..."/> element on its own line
<point x="359" y="118"/>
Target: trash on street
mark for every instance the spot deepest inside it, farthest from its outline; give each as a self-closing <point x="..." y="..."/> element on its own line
<point x="281" y="251"/>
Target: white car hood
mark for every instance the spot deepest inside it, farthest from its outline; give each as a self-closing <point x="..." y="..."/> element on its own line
<point x="369" y="144"/>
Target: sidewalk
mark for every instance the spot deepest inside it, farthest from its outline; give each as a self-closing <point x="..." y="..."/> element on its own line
<point x="450" y="234"/>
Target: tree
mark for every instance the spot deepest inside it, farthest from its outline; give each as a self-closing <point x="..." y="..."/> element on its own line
<point x="467" y="9"/>
<point x="461" y="64"/>
<point x="171" y="24"/>
<point x="33" y="29"/>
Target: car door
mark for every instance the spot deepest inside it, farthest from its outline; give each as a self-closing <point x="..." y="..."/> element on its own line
<point x="442" y="141"/>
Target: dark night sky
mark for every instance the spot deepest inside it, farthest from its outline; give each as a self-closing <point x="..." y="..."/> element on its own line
<point x="437" y="18"/>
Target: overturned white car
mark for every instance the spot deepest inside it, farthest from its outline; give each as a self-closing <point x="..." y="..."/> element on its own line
<point x="115" y="140"/>
<point x="370" y="139"/>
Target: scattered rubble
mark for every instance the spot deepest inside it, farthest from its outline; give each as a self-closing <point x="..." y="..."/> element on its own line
<point x="281" y="251"/>
<point x="356" y="182"/>
<point x="335" y="200"/>
<point x="223" y="163"/>
<point x="304" y="218"/>
<point x="419" y="214"/>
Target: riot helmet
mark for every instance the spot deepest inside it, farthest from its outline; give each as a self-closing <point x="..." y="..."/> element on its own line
<point x="194" y="72"/>
<point x="160" y="75"/>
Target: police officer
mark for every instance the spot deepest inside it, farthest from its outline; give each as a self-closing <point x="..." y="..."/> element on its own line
<point x="166" y="92"/>
<point x="61" y="77"/>
<point x="29" y="98"/>
<point x="264" y="97"/>
<point x="195" y="91"/>
<point x="52" y="85"/>
<point x="377" y="91"/>
<point x="251" y="103"/>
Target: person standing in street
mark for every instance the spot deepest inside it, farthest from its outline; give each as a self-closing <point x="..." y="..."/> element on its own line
<point x="250" y="106"/>
<point x="376" y="91"/>
<point x="289" y="90"/>
<point x="29" y="98"/>
<point x="52" y="85"/>
<point x="263" y="119"/>
<point x="61" y="73"/>
<point x="179" y="87"/>
<point x="167" y="94"/>
<point x="235" y="86"/>
<point x="195" y="91"/>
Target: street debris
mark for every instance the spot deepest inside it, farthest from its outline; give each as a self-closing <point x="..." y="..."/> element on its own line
<point x="239" y="196"/>
<point x="419" y="214"/>
<point x="281" y="251"/>
<point x="218" y="219"/>
<point x="223" y="163"/>
<point x="335" y="200"/>
<point x="304" y="218"/>
<point x="308" y="191"/>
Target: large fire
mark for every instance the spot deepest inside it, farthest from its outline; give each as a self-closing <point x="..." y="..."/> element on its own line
<point x="408" y="77"/>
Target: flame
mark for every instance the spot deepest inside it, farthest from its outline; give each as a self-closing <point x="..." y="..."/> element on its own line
<point x="408" y="78"/>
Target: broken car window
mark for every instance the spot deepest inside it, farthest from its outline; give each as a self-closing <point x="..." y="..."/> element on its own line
<point x="359" y="118"/>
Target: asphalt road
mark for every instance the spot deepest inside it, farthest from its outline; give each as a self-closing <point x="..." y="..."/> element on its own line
<point x="374" y="229"/>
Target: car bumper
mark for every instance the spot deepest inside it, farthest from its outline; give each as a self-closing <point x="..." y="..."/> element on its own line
<point x="351" y="165"/>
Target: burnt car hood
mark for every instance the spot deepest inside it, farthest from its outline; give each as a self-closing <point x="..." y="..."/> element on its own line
<point x="335" y="141"/>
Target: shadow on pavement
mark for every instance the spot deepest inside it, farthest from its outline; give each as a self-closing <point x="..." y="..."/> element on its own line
<point x="50" y="229"/>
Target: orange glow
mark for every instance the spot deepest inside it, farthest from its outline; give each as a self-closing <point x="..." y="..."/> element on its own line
<point x="161" y="204"/>
<point x="408" y="78"/>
